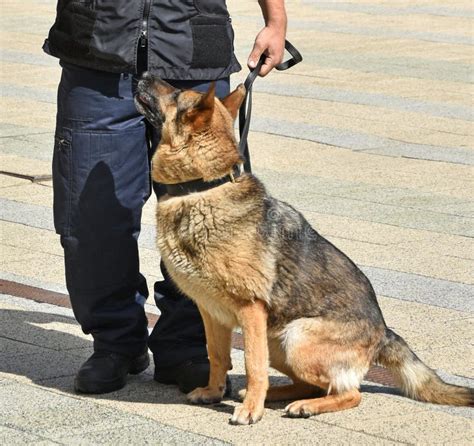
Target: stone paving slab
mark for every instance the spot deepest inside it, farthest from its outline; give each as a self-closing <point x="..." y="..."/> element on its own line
<point x="25" y="263"/>
<point x="354" y="84"/>
<point x="32" y="146"/>
<point x="318" y="160"/>
<point x="28" y="75"/>
<point x="313" y="90"/>
<point x="143" y="403"/>
<point x="382" y="83"/>
<point x="40" y="114"/>
<point x="414" y="125"/>
<point x="30" y="412"/>
<point x="426" y="290"/>
<point x="458" y="10"/>
<point x="14" y="436"/>
<point x="361" y="141"/>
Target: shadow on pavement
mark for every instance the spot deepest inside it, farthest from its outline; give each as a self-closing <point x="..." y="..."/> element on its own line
<point x="50" y="358"/>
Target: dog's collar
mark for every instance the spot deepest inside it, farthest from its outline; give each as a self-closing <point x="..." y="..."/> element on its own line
<point x="188" y="187"/>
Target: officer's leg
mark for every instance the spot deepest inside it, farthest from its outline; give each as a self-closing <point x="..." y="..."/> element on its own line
<point x="101" y="181"/>
<point x="178" y="341"/>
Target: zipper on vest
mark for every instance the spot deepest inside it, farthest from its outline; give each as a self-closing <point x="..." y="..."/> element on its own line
<point x="144" y="31"/>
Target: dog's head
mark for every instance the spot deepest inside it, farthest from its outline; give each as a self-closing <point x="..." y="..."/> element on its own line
<point x="197" y="130"/>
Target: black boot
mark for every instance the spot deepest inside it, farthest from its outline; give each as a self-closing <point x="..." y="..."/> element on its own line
<point x="178" y="341"/>
<point x="188" y="375"/>
<point x="105" y="372"/>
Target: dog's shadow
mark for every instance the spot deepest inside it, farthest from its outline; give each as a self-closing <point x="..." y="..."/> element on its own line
<point x="33" y="348"/>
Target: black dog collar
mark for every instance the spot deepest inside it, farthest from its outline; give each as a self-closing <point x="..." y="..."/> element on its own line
<point x="181" y="189"/>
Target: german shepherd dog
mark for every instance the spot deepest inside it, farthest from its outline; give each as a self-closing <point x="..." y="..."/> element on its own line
<point x="252" y="261"/>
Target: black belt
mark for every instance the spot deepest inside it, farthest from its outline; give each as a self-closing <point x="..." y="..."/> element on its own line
<point x="245" y="114"/>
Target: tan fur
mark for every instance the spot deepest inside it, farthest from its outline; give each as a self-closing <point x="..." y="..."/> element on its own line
<point x="219" y="339"/>
<point x="253" y="320"/>
<point x="330" y="403"/>
<point x="249" y="260"/>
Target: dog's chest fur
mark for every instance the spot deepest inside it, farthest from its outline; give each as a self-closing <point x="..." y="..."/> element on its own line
<point x="210" y="244"/>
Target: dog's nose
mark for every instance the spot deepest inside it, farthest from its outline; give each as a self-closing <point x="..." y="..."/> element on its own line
<point x="145" y="81"/>
<point x="147" y="76"/>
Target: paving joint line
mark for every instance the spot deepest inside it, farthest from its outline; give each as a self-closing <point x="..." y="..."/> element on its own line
<point x="29" y="250"/>
<point x="351" y="198"/>
<point x="362" y="118"/>
<point x="26" y="134"/>
<point x="365" y="151"/>
<point x="385" y="223"/>
<point x="27" y="343"/>
<point x="363" y="432"/>
<point x="39" y="436"/>
<point x="373" y="73"/>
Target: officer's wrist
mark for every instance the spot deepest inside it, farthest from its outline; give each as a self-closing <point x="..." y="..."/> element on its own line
<point x="274" y="14"/>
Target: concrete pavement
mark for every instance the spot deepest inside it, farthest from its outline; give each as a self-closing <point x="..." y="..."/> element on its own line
<point x="371" y="137"/>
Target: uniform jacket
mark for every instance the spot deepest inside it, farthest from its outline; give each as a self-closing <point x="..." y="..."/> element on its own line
<point x="185" y="39"/>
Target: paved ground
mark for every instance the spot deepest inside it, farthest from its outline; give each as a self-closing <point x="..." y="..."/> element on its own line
<point x="371" y="138"/>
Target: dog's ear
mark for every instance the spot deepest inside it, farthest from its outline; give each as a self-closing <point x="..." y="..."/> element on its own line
<point x="233" y="101"/>
<point x="207" y="101"/>
<point x="201" y="113"/>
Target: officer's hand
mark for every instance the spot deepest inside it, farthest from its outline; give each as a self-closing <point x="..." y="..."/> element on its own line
<point x="271" y="42"/>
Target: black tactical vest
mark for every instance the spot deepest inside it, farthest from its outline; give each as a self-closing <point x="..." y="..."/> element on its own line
<point x="185" y="39"/>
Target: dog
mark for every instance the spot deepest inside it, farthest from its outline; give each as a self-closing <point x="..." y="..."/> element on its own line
<point x="249" y="260"/>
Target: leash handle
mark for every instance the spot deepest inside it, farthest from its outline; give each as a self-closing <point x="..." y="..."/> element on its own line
<point x="245" y="111"/>
<point x="295" y="58"/>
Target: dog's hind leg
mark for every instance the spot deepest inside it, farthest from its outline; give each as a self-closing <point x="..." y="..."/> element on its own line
<point x="318" y="356"/>
<point x="329" y="403"/>
<point x="298" y="389"/>
<point x="289" y="392"/>
<point x="329" y="369"/>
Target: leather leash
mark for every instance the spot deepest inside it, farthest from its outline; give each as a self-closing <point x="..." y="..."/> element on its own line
<point x="245" y="111"/>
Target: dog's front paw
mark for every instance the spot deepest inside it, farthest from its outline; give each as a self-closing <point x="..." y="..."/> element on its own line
<point x="244" y="415"/>
<point x="205" y="395"/>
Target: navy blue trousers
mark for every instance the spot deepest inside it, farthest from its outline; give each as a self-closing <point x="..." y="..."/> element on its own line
<point x="101" y="178"/>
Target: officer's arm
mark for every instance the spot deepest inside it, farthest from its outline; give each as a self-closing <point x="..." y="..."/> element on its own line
<point x="271" y="39"/>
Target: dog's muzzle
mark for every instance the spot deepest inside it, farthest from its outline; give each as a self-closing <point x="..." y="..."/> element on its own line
<point x="147" y="104"/>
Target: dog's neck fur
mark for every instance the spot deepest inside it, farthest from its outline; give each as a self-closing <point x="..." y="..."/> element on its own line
<point x="208" y="154"/>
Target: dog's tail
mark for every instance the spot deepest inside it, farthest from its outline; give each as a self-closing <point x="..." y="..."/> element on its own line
<point x="417" y="380"/>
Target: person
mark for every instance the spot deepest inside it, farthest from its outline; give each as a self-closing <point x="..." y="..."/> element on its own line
<point x="101" y="170"/>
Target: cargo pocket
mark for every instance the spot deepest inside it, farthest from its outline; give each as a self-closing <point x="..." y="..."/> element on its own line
<point x="62" y="181"/>
<point x="212" y="43"/>
<point x="114" y="148"/>
<point x="99" y="161"/>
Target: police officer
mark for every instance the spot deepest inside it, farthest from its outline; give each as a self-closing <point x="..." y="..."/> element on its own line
<point x="101" y="169"/>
